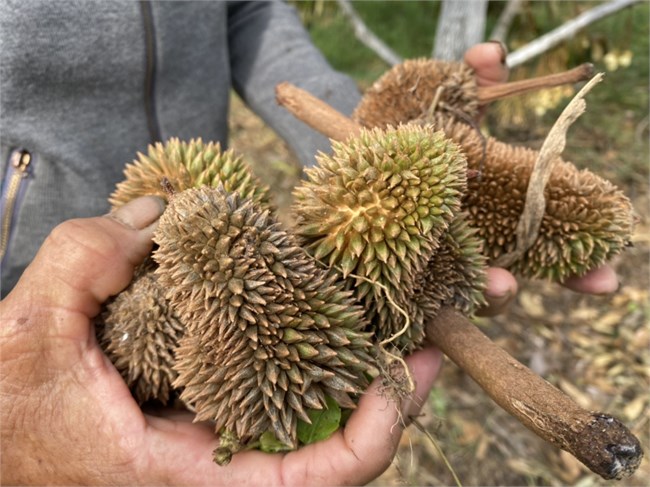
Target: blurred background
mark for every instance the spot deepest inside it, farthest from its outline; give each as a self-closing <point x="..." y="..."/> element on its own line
<point x="594" y="348"/>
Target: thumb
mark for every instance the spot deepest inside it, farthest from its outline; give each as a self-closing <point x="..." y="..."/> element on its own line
<point x="488" y="61"/>
<point x="84" y="261"/>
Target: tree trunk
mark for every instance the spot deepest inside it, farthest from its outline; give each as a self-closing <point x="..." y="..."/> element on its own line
<point x="461" y="25"/>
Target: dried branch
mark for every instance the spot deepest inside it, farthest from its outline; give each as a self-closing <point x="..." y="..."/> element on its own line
<point x="598" y="440"/>
<point x="314" y="112"/>
<point x="500" y="31"/>
<point x="565" y="31"/>
<point x="367" y="37"/>
<point x="461" y="24"/>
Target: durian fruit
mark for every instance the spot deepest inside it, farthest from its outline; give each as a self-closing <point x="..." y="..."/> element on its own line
<point x="587" y="220"/>
<point x="187" y="165"/>
<point x="139" y="332"/>
<point x="270" y="334"/>
<point x="376" y="209"/>
<point x="455" y="274"/>
<point x="416" y="87"/>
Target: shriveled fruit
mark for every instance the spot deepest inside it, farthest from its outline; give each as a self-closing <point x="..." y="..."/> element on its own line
<point x="139" y="332"/>
<point x="270" y="335"/>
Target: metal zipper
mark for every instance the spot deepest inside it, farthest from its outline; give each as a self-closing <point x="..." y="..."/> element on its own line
<point x="17" y="172"/>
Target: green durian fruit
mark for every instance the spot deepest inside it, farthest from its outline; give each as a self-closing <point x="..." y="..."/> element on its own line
<point x="270" y="335"/>
<point x="376" y="209"/>
<point x="139" y="333"/>
<point x="415" y="88"/>
<point x="455" y="274"/>
<point x="187" y="165"/>
<point x="587" y="220"/>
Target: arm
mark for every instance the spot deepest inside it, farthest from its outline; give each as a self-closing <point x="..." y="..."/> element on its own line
<point x="268" y="45"/>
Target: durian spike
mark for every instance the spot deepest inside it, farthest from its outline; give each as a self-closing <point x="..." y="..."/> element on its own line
<point x="487" y="94"/>
<point x="600" y="441"/>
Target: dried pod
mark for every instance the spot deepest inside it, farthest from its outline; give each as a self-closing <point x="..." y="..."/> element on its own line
<point x="376" y="209"/>
<point x="270" y="335"/>
<point x="187" y="165"/>
<point x="587" y="219"/>
<point x="416" y="87"/>
<point x="139" y="332"/>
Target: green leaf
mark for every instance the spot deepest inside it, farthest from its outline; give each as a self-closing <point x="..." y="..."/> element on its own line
<point x="270" y="444"/>
<point x="324" y="422"/>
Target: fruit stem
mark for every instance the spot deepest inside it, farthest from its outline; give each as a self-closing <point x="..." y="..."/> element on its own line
<point x="487" y="94"/>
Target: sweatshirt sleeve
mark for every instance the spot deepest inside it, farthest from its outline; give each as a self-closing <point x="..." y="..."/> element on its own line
<point x="268" y="45"/>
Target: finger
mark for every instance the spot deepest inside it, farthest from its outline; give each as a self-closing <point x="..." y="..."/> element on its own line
<point x="181" y="453"/>
<point x="353" y="456"/>
<point x="501" y="290"/>
<point x="489" y="63"/>
<point x="365" y="447"/>
<point x="602" y="280"/>
<point x="84" y="261"/>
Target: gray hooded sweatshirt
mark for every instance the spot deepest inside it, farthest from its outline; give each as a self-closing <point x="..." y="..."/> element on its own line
<point x="86" y="84"/>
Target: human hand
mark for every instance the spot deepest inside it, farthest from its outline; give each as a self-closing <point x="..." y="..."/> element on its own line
<point x="69" y="418"/>
<point x="488" y="61"/>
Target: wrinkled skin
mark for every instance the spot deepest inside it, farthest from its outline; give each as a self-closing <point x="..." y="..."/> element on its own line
<point x="68" y="417"/>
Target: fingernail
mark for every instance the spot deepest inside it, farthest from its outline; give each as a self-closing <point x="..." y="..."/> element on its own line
<point x="140" y="212"/>
<point x="500" y="299"/>
<point x="503" y="48"/>
<point x="495" y="304"/>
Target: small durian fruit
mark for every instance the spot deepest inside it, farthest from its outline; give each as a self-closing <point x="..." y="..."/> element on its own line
<point x="375" y="211"/>
<point x="187" y="165"/>
<point x="139" y="333"/>
<point x="587" y="220"/>
<point x="270" y="334"/>
<point x="455" y="274"/>
<point x="416" y="87"/>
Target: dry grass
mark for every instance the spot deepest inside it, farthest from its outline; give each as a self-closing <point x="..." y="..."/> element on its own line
<point x="596" y="349"/>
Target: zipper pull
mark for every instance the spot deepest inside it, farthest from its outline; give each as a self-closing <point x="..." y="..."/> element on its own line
<point x="20" y="161"/>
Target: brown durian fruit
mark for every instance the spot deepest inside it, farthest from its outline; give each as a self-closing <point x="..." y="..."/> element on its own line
<point x="587" y="221"/>
<point x="416" y="87"/>
<point x="187" y="165"/>
<point x="455" y="274"/>
<point x="270" y="334"/>
<point x="376" y="209"/>
<point x="139" y="332"/>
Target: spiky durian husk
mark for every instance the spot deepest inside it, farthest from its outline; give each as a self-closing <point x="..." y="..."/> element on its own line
<point x="410" y="90"/>
<point x="376" y="209"/>
<point x="587" y="220"/>
<point x="187" y="165"/>
<point x="139" y="332"/>
<point x="455" y="274"/>
<point x="270" y="334"/>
